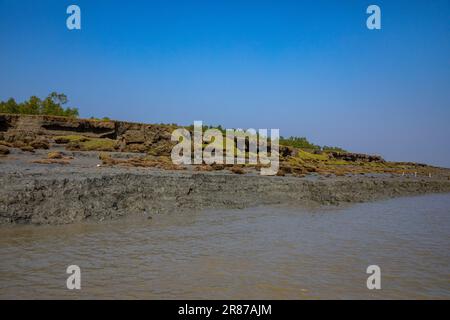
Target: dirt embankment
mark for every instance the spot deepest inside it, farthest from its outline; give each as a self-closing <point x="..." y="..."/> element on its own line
<point x="69" y="195"/>
<point x="32" y="133"/>
<point x="56" y="170"/>
<point x="39" y="132"/>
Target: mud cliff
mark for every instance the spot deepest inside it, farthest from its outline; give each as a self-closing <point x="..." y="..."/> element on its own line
<point x="127" y="136"/>
<point x="58" y="170"/>
<point x="67" y="196"/>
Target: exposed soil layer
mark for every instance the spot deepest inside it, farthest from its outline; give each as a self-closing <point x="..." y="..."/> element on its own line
<point x="58" y="170"/>
<point x="76" y="186"/>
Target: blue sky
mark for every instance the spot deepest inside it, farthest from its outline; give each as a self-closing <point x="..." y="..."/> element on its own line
<point x="309" y="68"/>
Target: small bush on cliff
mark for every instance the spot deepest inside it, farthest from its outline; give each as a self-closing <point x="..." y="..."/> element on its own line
<point x="298" y="142"/>
<point x="52" y="105"/>
<point x="333" y="149"/>
<point x="303" y="143"/>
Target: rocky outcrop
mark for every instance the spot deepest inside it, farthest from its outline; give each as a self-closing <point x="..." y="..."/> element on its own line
<point x="27" y="127"/>
<point x="154" y="139"/>
<point x="131" y="137"/>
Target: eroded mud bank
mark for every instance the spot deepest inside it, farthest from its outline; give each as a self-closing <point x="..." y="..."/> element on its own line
<point x="71" y="194"/>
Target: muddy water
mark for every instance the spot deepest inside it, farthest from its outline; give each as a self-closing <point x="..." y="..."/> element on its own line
<point x="280" y="253"/>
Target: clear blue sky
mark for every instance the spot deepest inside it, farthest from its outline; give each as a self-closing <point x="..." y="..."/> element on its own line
<point x="309" y="68"/>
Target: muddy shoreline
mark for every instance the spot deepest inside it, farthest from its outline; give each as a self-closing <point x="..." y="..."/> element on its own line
<point x="83" y="191"/>
<point x="59" y="170"/>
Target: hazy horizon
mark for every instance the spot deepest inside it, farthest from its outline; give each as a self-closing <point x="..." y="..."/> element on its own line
<point x="309" y="68"/>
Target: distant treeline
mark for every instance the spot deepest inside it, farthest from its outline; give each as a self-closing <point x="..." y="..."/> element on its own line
<point x="53" y="105"/>
<point x="303" y="143"/>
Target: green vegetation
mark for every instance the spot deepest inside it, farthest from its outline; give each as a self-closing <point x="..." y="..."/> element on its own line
<point x="333" y="149"/>
<point x="303" y="143"/>
<point x="95" y="144"/>
<point x="311" y="156"/>
<point x="52" y="106"/>
<point x="70" y="138"/>
<point x="298" y="142"/>
<point x="78" y="142"/>
<point x="98" y="119"/>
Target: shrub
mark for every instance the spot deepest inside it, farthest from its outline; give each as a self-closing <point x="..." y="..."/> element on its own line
<point x="98" y="145"/>
<point x="298" y="142"/>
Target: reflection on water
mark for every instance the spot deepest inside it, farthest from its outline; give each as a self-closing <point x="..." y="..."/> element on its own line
<point x="262" y="252"/>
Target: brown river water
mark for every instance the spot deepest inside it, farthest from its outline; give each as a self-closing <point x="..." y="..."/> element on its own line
<point x="264" y="252"/>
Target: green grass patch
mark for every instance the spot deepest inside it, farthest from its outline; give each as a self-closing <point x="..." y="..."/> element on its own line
<point x="71" y="138"/>
<point x="311" y="156"/>
<point x="98" y="145"/>
<point x="337" y="162"/>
